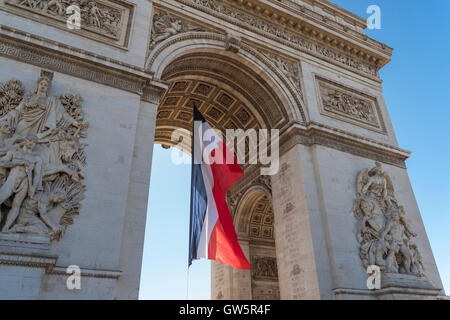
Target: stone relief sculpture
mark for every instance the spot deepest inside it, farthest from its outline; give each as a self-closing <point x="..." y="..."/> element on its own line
<point x="290" y="69"/>
<point x="384" y="235"/>
<point x="94" y="14"/>
<point x="341" y="102"/>
<point x="41" y="159"/>
<point x="264" y="268"/>
<point x="166" y="26"/>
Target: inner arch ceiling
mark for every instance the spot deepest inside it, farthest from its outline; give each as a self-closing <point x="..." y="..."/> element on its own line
<point x="228" y="93"/>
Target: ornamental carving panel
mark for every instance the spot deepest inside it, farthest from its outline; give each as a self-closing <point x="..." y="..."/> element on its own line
<point x="166" y="25"/>
<point x="264" y="268"/>
<point x="383" y="232"/>
<point x="41" y="159"/>
<point x="349" y="105"/>
<point x="107" y="19"/>
<point x="290" y="69"/>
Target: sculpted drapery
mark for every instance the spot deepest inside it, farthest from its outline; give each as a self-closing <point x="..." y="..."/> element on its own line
<point x="384" y="235"/>
<point x="41" y="159"/>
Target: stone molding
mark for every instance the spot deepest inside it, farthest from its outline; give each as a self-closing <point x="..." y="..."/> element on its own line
<point x="317" y="42"/>
<point x="318" y="134"/>
<point x="394" y="283"/>
<point x="28" y="260"/>
<point x="152" y="94"/>
<point x="48" y="262"/>
<point x="129" y="80"/>
<point x="378" y="294"/>
<point x="324" y="15"/>
<point x="92" y="273"/>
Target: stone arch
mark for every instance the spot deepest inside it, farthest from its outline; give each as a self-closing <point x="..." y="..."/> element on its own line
<point x="242" y="215"/>
<point x="201" y="66"/>
<point x="254" y="60"/>
<point x="254" y="221"/>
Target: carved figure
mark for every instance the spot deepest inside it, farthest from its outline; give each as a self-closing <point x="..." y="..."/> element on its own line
<point x="165" y="26"/>
<point x="106" y="20"/>
<point x="41" y="158"/>
<point x="24" y="178"/>
<point x="377" y="184"/>
<point x="383" y="233"/>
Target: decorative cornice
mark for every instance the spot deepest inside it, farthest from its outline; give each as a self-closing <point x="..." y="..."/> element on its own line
<point x="92" y="273"/>
<point x="391" y="290"/>
<point x="152" y="94"/>
<point x="319" y="134"/>
<point x="323" y="6"/>
<point x="58" y="61"/>
<point x="331" y="17"/>
<point x="295" y="34"/>
<point x="28" y="260"/>
<point x="320" y="19"/>
<point x="48" y="263"/>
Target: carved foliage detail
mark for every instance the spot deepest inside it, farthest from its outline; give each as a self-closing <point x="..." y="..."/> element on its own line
<point x="42" y="159"/>
<point x="384" y="235"/>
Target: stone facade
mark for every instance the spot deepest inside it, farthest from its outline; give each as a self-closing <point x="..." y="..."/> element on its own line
<point x="130" y="75"/>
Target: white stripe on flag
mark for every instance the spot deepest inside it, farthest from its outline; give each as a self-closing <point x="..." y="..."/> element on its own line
<point x="212" y="214"/>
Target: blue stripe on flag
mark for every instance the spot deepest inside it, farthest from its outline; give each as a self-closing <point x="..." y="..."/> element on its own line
<point x="198" y="211"/>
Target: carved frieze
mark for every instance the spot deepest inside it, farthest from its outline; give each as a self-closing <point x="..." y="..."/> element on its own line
<point x="383" y="232"/>
<point x="264" y="268"/>
<point x="349" y="105"/>
<point x="42" y="159"/>
<point x="166" y="25"/>
<point x="108" y="20"/>
<point x="292" y="38"/>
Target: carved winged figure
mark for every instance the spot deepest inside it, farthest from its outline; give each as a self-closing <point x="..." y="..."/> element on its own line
<point x="376" y="183"/>
<point x="40" y="148"/>
<point x="166" y="26"/>
<point x="383" y="233"/>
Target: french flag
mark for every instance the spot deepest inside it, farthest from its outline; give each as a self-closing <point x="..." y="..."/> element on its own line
<point x="212" y="234"/>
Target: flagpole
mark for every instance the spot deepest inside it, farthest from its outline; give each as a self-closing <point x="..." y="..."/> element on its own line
<point x="192" y="180"/>
<point x="192" y="195"/>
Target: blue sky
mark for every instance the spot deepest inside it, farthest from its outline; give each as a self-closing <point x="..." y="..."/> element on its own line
<point x="417" y="93"/>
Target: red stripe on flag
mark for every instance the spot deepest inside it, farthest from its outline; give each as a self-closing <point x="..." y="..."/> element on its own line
<point x="223" y="244"/>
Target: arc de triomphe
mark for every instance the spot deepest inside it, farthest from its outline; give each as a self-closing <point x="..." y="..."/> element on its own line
<point x="82" y="108"/>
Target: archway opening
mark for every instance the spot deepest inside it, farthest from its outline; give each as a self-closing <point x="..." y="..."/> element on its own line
<point x="231" y="95"/>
